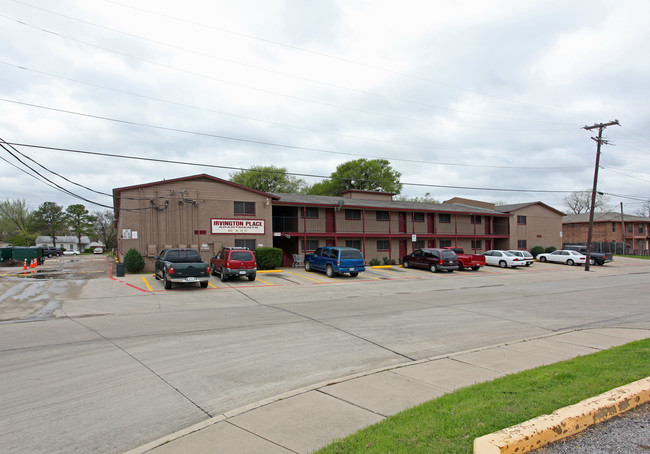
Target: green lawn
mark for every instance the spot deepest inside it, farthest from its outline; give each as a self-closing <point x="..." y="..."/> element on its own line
<point x="450" y="423"/>
<point x="644" y="257"/>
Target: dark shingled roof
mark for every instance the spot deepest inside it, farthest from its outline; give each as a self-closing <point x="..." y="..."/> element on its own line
<point x="347" y="202"/>
<point x="602" y="217"/>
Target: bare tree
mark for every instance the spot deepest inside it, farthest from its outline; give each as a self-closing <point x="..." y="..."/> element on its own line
<point x="580" y="202"/>
<point x="644" y="211"/>
<point x="105" y="228"/>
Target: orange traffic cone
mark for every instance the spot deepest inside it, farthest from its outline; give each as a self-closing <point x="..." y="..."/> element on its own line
<point x="33" y="263"/>
<point x="24" y="264"/>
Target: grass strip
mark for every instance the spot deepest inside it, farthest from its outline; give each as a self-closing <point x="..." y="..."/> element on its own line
<point x="450" y="423"/>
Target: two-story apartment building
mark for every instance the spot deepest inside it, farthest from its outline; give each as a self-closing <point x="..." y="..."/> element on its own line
<point x="207" y="213"/>
<point x="610" y="227"/>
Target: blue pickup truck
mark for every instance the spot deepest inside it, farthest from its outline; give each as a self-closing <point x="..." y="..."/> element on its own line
<point x="335" y="260"/>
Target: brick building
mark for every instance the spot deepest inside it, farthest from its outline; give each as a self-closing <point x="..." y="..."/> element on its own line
<point x="207" y="213"/>
<point x="633" y="231"/>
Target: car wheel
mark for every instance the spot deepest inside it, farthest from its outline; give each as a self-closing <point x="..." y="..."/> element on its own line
<point x="168" y="284"/>
<point x="460" y="267"/>
<point x="49" y="256"/>
<point x="570" y="262"/>
<point x="156" y="276"/>
<point x="204" y="284"/>
<point x="592" y="262"/>
<point x="600" y="263"/>
<point x="307" y="266"/>
<point x="223" y="276"/>
<point x="405" y="264"/>
<point x="527" y="264"/>
<point x="433" y="268"/>
<point x="251" y="277"/>
<point x="329" y="271"/>
<point x="476" y="268"/>
<point x="503" y="264"/>
<point x="354" y="274"/>
<point x="542" y="259"/>
<point x="213" y="272"/>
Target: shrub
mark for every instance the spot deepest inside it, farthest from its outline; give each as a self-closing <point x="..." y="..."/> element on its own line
<point x="268" y="257"/>
<point x="133" y="261"/>
<point x="386" y="261"/>
<point x="550" y="249"/>
<point x="374" y="262"/>
<point x="537" y="250"/>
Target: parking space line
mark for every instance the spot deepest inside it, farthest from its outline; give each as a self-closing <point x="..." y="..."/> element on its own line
<point x="307" y="277"/>
<point x="147" y="284"/>
<point x="211" y="284"/>
<point x="267" y="283"/>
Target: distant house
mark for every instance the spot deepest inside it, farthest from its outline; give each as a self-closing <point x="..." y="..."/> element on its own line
<point x="69" y="243"/>
<point x="610" y="227"/>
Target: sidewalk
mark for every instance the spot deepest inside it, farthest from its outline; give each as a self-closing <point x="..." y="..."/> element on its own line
<point x="307" y="419"/>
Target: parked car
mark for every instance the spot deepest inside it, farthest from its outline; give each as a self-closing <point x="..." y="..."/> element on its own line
<point x="71" y="252"/>
<point x="473" y="261"/>
<point x="51" y="251"/>
<point x="563" y="256"/>
<point x="432" y="259"/>
<point x="595" y="258"/>
<point x="234" y="262"/>
<point x="527" y="256"/>
<point x="98" y="250"/>
<point x="335" y="260"/>
<point x="182" y="266"/>
<point x="503" y="259"/>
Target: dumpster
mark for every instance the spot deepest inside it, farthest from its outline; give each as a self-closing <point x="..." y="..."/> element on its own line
<point x="119" y="269"/>
<point x="25" y="253"/>
<point x="5" y="254"/>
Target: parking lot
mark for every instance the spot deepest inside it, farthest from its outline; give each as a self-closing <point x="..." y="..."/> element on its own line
<point x="114" y="362"/>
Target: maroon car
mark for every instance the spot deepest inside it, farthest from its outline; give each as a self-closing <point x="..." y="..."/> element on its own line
<point x="234" y="262"/>
<point x="432" y="259"/>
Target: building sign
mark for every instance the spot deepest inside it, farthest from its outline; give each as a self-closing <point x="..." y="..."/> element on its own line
<point x="241" y="226"/>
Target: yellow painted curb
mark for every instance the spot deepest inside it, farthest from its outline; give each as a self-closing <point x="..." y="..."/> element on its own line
<point x="564" y="422"/>
<point x="382" y="266"/>
<point x="269" y="271"/>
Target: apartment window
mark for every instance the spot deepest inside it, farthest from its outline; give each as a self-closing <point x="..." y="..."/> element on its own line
<point x="630" y="228"/>
<point x="522" y="244"/>
<point x="353" y="243"/>
<point x="383" y="245"/>
<point x="444" y="218"/>
<point x="383" y="216"/>
<point x="445" y="243"/>
<point x="419" y="244"/>
<point x="476" y="219"/>
<point x="521" y="220"/>
<point x="477" y="244"/>
<point x="246" y="208"/>
<point x="309" y="212"/>
<point x="352" y="215"/>
<point x="311" y="245"/>
<point x="418" y="217"/>
<point x="250" y="244"/>
<point x="640" y="228"/>
<point x="613" y="226"/>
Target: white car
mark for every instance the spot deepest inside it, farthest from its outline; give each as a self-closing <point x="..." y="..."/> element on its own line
<point x="503" y="259"/>
<point x="98" y="250"/>
<point x="527" y="256"/>
<point x="563" y="256"/>
<point x="71" y="252"/>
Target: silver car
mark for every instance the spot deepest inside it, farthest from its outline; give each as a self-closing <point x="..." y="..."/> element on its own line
<point x="527" y="256"/>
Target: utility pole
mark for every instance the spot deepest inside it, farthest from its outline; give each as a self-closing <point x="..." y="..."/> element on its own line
<point x="599" y="141"/>
<point x="623" y="227"/>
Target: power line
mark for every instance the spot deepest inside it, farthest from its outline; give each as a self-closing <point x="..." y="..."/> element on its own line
<point x="271" y="144"/>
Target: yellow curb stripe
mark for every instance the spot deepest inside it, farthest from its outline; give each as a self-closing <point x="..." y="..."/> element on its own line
<point x="210" y="284"/>
<point x="567" y="421"/>
<point x="267" y="283"/>
<point x="147" y="284"/>
<point x="269" y="271"/>
<point x="382" y="266"/>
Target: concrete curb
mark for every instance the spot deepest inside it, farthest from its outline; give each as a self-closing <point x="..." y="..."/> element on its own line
<point x="564" y="422"/>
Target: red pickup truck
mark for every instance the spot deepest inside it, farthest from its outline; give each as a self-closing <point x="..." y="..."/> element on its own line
<point x="473" y="261"/>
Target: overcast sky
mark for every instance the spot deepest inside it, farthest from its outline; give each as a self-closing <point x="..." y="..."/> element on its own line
<point x="464" y="98"/>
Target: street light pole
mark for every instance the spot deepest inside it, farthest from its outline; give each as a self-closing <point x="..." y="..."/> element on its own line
<point x="599" y="141"/>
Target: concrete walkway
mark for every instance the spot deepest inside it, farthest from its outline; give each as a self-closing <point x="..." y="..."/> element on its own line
<point x="307" y="419"/>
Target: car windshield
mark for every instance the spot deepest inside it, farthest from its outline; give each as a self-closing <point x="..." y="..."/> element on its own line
<point x="449" y="255"/>
<point x="527" y="254"/>
<point x="351" y="254"/>
<point x="508" y="254"/>
<point x="181" y="256"/>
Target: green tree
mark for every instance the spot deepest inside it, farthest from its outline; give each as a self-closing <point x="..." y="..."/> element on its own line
<point x="50" y="219"/>
<point x="425" y="199"/>
<point x="80" y="221"/>
<point x="16" y="222"/>
<point x="362" y="174"/>
<point x="269" y="179"/>
<point x="105" y="228"/>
